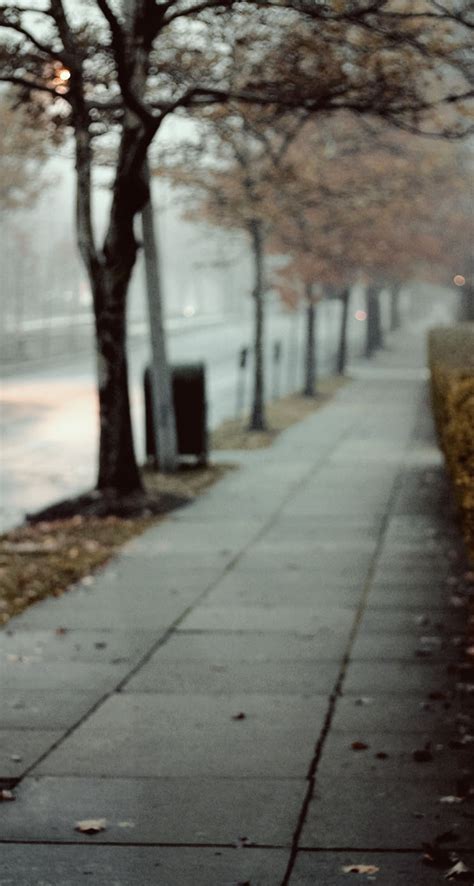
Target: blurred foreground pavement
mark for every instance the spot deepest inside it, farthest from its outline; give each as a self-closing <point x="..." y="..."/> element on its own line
<point x="206" y="692"/>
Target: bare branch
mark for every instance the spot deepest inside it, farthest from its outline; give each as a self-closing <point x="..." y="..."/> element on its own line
<point x="44" y="48"/>
<point x="29" y="84"/>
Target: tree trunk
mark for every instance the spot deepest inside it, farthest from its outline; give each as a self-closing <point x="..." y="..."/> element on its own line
<point x="164" y="423"/>
<point x="257" y="416"/>
<point x="378" y="328"/>
<point x="374" y="330"/>
<point x="118" y="470"/>
<point x="342" y="349"/>
<point x="109" y="276"/>
<point x="309" y="389"/>
<point x="395" y="321"/>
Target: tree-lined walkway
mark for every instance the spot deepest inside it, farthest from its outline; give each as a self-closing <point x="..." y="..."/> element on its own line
<point x="264" y="688"/>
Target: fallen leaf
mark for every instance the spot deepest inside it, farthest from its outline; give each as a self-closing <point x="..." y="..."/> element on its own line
<point x="91" y="825"/>
<point x="240" y="716"/>
<point x="359" y="746"/>
<point x="6" y="796"/>
<point x="360" y="869"/>
<point x="382" y="755"/>
<point x="16" y="758"/>
<point x="460" y="871"/>
<point x="60" y="632"/>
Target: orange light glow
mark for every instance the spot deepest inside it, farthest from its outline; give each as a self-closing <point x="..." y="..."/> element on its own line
<point x="459" y="280"/>
<point x="360" y="315"/>
<point x="64" y="74"/>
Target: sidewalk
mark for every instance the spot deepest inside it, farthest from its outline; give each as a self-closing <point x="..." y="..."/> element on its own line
<point x="203" y="695"/>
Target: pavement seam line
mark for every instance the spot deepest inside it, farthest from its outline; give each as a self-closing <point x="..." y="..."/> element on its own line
<point x="337" y="690"/>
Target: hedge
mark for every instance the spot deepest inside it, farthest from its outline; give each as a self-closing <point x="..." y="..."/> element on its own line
<point x="451" y="358"/>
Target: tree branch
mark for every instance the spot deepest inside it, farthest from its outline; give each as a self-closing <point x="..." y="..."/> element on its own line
<point x="20" y="29"/>
<point x="29" y="84"/>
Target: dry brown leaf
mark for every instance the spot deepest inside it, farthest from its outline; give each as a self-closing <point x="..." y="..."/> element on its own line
<point x="459" y="870"/>
<point x="360" y="869"/>
<point x="6" y="796"/>
<point x="91" y="825"/>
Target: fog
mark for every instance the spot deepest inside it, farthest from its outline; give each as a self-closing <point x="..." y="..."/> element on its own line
<point x="45" y="291"/>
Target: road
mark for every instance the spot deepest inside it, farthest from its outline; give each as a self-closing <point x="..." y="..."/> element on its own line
<point x="48" y="422"/>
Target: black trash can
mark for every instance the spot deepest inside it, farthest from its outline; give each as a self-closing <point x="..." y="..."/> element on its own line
<point x="189" y="396"/>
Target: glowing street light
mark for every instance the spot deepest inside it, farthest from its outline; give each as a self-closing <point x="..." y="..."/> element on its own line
<point x="60" y="78"/>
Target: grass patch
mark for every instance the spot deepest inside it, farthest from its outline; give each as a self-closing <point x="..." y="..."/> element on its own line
<point x="281" y="414"/>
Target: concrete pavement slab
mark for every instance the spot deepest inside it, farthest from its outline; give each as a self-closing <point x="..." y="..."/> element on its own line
<point x="214" y="677"/>
<point x="385" y="813"/>
<point x="406" y="678"/>
<point x="133" y="735"/>
<point x="394" y="869"/>
<point x="409" y="620"/>
<point x="326" y="535"/>
<point x="194" y="537"/>
<point x="195" y="811"/>
<point x="408" y="647"/>
<point x="44" y="709"/>
<point x="391" y="755"/>
<point x="346" y="568"/>
<point x="229" y="647"/>
<point x="69" y="676"/>
<point x="408" y="597"/>
<point x="277" y="588"/>
<point x="133" y="865"/>
<point x="328" y="623"/>
<point x="73" y="645"/>
<point x="381" y="714"/>
<point x="20" y="748"/>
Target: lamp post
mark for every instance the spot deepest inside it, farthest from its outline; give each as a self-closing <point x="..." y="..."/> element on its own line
<point x="164" y="424"/>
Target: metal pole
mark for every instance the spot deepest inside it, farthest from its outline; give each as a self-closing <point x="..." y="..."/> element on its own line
<point x="164" y="424"/>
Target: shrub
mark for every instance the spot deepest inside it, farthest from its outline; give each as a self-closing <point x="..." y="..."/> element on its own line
<point x="451" y="358"/>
